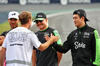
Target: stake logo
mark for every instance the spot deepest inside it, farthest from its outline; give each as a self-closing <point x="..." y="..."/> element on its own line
<point x="79" y="45"/>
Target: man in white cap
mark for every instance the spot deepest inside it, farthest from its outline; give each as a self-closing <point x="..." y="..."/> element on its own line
<point x="13" y="20"/>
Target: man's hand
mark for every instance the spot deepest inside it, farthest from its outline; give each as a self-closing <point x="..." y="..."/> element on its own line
<point x="47" y="37"/>
<point x="50" y="40"/>
<point x="52" y="37"/>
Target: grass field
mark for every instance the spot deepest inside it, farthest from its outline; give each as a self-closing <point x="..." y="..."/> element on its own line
<point x="4" y="27"/>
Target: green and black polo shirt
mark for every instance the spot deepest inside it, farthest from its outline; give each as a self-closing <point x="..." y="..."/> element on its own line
<point x="47" y="57"/>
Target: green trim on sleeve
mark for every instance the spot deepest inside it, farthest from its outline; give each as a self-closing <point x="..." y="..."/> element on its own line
<point x="97" y="58"/>
<point x="57" y="34"/>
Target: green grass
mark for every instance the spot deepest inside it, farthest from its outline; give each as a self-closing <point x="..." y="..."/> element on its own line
<point x="4" y="27"/>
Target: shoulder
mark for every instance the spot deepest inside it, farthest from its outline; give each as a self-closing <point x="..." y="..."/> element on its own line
<point x="49" y="29"/>
<point x="54" y="31"/>
<point x="37" y="32"/>
<point x="74" y="31"/>
<point x="90" y="28"/>
<point x="4" y="33"/>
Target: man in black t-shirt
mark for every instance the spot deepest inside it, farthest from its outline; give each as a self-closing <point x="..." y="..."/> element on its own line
<point x="13" y="20"/>
<point x="48" y="57"/>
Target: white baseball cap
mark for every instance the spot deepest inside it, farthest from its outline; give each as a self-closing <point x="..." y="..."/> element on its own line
<point x="13" y="14"/>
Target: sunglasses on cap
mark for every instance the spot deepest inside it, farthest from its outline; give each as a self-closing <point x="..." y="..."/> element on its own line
<point x="38" y="21"/>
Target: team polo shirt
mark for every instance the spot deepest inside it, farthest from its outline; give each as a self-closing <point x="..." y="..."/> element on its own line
<point x="49" y="56"/>
<point x="19" y="46"/>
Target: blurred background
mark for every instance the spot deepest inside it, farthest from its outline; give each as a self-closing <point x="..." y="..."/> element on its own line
<point x="59" y="13"/>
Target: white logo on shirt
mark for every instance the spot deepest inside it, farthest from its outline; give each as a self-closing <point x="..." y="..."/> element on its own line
<point x="86" y="35"/>
<point x="76" y="36"/>
<point x="78" y="45"/>
<point x="46" y="33"/>
<point x="17" y="36"/>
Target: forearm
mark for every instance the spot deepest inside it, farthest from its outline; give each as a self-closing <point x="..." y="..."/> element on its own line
<point x="34" y="58"/>
<point x="61" y="49"/>
<point x="59" y="57"/>
<point x="2" y="57"/>
<point x="45" y="45"/>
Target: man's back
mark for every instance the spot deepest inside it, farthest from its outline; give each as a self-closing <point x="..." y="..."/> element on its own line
<point x="19" y="47"/>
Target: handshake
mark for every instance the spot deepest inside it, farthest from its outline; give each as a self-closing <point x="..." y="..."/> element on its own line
<point x="52" y="38"/>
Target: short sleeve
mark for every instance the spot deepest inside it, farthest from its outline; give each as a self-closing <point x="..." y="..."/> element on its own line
<point x="35" y="41"/>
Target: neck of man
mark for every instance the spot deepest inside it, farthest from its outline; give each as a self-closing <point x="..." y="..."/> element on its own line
<point x="82" y="24"/>
<point x="25" y="25"/>
<point x="13" y="28"/>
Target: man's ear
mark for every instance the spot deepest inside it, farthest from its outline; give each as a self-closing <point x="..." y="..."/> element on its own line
<point x="8" y="20"/>
<point x="83" y="18"/>
<point x="29" y="21"/>
<point x="46" y="20"/>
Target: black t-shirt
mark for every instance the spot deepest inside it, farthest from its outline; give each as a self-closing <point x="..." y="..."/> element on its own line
<point x="4" y="33"/>
<point x="47" y="57"/>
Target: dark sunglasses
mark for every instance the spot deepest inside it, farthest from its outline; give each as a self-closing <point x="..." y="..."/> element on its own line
<point x="38" y="21"/>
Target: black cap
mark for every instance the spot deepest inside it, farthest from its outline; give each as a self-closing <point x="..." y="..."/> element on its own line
<point x="40" y="16"/>
<point x="81" y="13"/>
